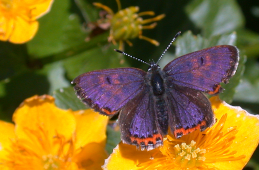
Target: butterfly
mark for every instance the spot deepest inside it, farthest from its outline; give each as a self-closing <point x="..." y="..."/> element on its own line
<point x="155" y="102"/>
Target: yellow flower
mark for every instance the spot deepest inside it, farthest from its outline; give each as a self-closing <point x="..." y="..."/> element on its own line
<point x="49" y="138"/>
<point x="127" y="24"/>
<point x="18" y="22"/>
<point x="227" y="145"/>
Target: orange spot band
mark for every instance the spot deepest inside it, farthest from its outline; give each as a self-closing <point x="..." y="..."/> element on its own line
<point x="186" y="131"/>
<point x="146" y="140"/>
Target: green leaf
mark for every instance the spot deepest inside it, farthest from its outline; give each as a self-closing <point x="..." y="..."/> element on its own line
<point x="215" y="17"/>
<point x="113" y="139"/>
<point x="230" y="88"/>
<point x="60" y="29"/>
<point x="94" y="59"/>
<point x="55" y="74"/>
<point x="75" y="50"/>
<point x="188" y="42"/>
<point x="66" y="98"/>
<point x="88" y="10"/>
<point x="248" y="88"/>
<point x="248" y="41"/>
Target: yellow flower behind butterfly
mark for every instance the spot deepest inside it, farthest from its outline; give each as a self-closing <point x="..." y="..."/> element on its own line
<point x="18" y="19"/>
<point x="227" y="145"/>
<point x="45" y="137"/>
<point x="127" y="24"/>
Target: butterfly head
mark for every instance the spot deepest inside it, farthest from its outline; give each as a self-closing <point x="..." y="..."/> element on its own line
<point x="153" y="66"/>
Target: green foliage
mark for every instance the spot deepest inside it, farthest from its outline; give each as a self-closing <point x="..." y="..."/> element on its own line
<point x="60" y="51"/>
<point x="65" y="98"/>
<point x="113" y="139"/>
<point x="215" y="17"/>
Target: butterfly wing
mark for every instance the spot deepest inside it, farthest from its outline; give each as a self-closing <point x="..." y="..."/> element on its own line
<point x="107" y="91"/>
<point x="138" y="123"/>
<point x="204" y="70"/>
<point x="190" y="110"/>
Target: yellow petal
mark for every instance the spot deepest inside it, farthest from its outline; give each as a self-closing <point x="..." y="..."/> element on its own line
<point x="91" y="156"/>
<point x="18" y="19"/>
<point x="125" y="157"/>
<point x="91" y="127"/>
<point x="6" y="28"/>
<point x="6" y="135"/>
<point x="247" y="138"/>
<point x="23" y="30"/>
<point x="39" y="8"/>
<point x="40" y="112"/>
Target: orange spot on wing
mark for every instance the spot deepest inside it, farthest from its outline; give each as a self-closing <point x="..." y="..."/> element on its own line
<point x="108" y="112"/>
<point x="187" y="131"/>
<point x="216" y="90"/>
<point x="116" y="81"/>
<point x="146" y="140"/>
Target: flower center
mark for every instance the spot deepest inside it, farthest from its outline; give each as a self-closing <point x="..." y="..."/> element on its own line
<point x="125" y="24"/>
<point x="188" y="156"/>
<point x="51" y="162"/>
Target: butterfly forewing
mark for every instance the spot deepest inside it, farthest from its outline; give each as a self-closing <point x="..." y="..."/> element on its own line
<point x="107" y="91"/>
<point x="204" y="70"/>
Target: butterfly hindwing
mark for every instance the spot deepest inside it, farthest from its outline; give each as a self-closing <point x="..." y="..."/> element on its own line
<point x="204" y="70"/>
<point x="138" y="123"/>
<point x="107" y="91"/>
<point x="190" y="110"/>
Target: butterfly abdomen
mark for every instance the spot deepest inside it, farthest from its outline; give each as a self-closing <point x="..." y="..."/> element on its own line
<point x="161" y="114"/>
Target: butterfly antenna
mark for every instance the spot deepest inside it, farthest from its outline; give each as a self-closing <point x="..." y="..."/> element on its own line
<point x="119" y="51"/>
<point x="168" y="46"/>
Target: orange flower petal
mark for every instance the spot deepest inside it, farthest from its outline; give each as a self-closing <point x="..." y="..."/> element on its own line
<point x="247" y="138"/>
<point x="127" y="157"/>
<point x="23" y="30"/>
<point x="6" y="135"/>
<point x="39" y="8"/>
<point x="91" y="157"/>
<point x="91" y="127"/>
<point x="6" y="28"/>
<point x="40" y="112"/>
<point x="18" y="19"/>
<point x="235" y="126"/>
<point x="45" y="137"/>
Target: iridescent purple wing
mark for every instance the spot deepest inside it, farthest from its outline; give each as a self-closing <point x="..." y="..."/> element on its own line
<point x="190" y="110"/>
<point x="204" y="70"/>
<point x="138" y="123"/>
<point x="107" y="91"/>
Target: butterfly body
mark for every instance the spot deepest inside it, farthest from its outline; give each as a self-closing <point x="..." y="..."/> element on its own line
<point x="155" y="102"/>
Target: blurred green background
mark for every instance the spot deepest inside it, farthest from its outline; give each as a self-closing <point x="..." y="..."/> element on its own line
<point x="59" y="52"/>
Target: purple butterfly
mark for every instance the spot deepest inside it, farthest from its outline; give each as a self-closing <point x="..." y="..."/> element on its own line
<point x="151" y="102"/>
